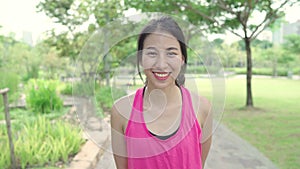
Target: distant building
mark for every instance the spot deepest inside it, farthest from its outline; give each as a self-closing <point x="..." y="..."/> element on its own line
<point x="284" y="30"/>
<point x="27" y="38"/>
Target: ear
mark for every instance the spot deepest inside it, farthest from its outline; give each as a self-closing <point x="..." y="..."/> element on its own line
<point x="182" y="60"/>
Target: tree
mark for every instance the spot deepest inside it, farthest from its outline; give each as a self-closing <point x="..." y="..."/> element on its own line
<point x="232" y="56"/>
<point x="73" y="14"/>
<point x="292" y="47"/>
<point x="292" y="43"/>
<point x="235" y="16"/>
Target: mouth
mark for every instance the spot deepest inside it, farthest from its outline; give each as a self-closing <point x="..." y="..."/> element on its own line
<point x="161" y="75"/>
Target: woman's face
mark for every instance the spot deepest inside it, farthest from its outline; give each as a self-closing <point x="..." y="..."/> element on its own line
<point x="161" y="59"/>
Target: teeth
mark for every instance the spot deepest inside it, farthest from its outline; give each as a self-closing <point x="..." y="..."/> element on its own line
<point x="161" y="75"/>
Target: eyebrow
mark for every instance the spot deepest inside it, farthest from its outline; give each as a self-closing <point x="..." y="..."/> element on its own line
<point x="170" y="48"/>
<point x="151" y="48"/>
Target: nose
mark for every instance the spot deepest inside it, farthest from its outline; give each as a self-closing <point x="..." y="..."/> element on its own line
<point x="161" y="61"/>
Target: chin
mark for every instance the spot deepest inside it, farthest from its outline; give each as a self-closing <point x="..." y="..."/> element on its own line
<point x="162" y="85"/>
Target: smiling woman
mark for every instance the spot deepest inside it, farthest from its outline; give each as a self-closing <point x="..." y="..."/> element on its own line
<point x="161" y="125"/>
<point x="161" y="59"/>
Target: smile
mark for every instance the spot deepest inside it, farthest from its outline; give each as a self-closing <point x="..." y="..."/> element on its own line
<point x="161" y="75"/>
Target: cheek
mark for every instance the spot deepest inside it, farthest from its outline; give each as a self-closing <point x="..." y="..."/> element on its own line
<point x="176" y="63"/>
<point x="147" y="63"/>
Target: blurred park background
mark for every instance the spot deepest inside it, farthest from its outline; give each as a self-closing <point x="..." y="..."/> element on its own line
<point x="257" y="42"/>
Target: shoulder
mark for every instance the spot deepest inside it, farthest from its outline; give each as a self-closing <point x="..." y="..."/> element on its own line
<point x="202" y="107"/>
<point x="121" y="110"/>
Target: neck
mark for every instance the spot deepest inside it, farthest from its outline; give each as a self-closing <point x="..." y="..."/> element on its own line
<point x="171" y="93"/>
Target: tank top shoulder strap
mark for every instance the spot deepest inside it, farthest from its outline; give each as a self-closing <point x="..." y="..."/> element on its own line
<point x="136" y="111"/>
<point x="189" y="103"/>
<point x="138" y="99"/>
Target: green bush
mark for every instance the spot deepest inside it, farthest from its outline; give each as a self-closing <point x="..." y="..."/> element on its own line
<point x="296" y="71"/>
<point x="196" y="69"/>
<point x="40" y="142"/>
<point x="9" y="80"/>
<point x="42" y="96"/>
<point x="107" y="95"/>
<point x="260" y="71"/>
<point x="84" y="88"/>
<point x="68" y="89"/>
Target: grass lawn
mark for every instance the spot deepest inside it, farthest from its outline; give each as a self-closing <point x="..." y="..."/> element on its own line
<point x="273" y="126"/>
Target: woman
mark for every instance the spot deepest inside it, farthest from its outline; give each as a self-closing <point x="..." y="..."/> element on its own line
<point x="162" y="125"/>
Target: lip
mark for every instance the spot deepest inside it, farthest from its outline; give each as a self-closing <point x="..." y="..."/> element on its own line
<point x="161" y="75"/>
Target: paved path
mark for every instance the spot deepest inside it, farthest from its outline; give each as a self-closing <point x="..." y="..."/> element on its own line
<point x="228" y="151"/>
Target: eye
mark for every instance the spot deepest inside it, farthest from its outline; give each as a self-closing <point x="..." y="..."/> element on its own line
<point x="151" y="54"/>
<point x="171" y="54"/>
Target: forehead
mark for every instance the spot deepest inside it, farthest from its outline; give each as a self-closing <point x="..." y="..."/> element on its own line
<point x="161" y="40"/>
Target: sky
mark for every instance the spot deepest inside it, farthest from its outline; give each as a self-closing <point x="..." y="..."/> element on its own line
<point x="20" y="15"/>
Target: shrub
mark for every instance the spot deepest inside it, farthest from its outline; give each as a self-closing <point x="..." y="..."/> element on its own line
<point x="296" y="71"/>
<point x="261" y="71"/>
<point x="67" y="90"/>
<point x="107" y="95"/>
<point x="84" y="88"/>
<point x="9" y="80"/>
<point x="42" y="96"/>
<point x="40" y="142"/>
<point x="196" y="69"/>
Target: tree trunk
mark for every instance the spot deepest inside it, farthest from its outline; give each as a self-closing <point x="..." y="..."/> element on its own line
<point x="249" y="100"/>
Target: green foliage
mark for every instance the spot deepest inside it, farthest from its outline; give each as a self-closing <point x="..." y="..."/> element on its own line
<point x="66" y="46"/>
<point x="107" y="95"/>
<point x="292" y="44"/>
<point x="218" y="42"/>
<point x="262" y="71"/>
<point x="9" y="80"/>
<point x="19" y="58"/>
<point x="84" y="88"/>
<point x="262" y="44"/>
<point x="67" y="89"/>
<point x="16" y="114"/>
<point x="217" y="16"/>
<point x="230" y="55"/>
<point x="42" y="96"/>
<point x="5" y="44"/>
<point x="73" y="15"/>
<point x="40" y="142"/>
<point x="61" y="11"/>
<point x="196" y="69"/>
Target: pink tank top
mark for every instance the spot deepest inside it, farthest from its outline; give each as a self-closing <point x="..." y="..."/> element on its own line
<point x="180" y="151"/>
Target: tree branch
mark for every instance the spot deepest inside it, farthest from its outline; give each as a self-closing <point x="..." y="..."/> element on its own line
<point x="188" y="6"/>
<point x="242" y="19"/>
<point x="235" y="33"/>
<point x="222" y="5"/>
<point x="265" y="26"/>
<point x="249" y="7"/>
<point x="268" y="15"/>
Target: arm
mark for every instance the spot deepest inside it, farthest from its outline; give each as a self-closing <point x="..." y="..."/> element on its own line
<point x="205" y="118"/>
<point x="206" y="130"/>
<point x="117" y="137"/>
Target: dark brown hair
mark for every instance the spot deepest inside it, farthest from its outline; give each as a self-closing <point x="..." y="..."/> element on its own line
<point x="168" y="25"/>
